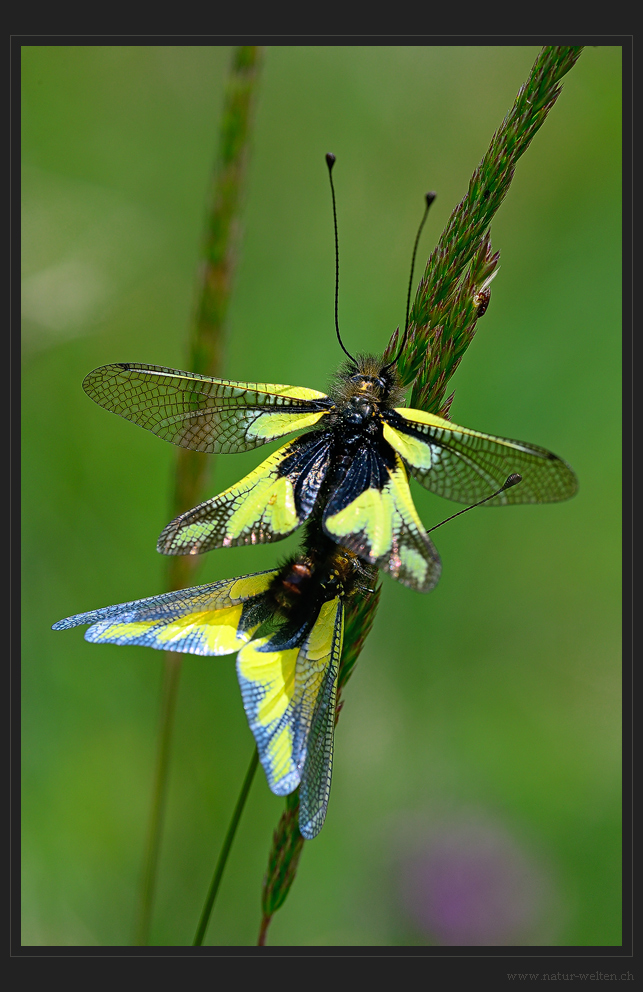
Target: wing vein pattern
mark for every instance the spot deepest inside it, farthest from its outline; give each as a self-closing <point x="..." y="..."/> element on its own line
<point x="465" y="465"/>
<point x="212" y="619"/>
<point x="201" y="412"/>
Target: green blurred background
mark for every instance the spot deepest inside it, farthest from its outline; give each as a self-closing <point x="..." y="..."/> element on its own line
<point x="476" y="789"/>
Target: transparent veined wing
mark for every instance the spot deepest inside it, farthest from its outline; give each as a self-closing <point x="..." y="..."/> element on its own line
<point x="213" y="619"/>
<point x="266" y="505"/>
<point x="466" y="465"/>
<point x="201" y="412"/>
<point x="288" y="685"/>
<point x="325" y="642"/>
<point x="371" y="512"/>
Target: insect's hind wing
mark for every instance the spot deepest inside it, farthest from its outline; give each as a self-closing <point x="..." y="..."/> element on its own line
<point x="372" y="513"/>
<point x="202" y="412"/>
<point x="266" y="505"/>
<point x="288" y="685"/>
<point x="212" y="619"/>
<point x="318" y="764"/>
<point x="266" y="673"/>
<point x="465" y="465"/>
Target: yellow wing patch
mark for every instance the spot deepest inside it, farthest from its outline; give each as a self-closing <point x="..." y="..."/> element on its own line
<point x="248" y="586"/>
<point x="274" y="671"/>
<point x="270" y="505"/>
<point x="413" y="450"/>
<point x="207" y="633"/>
<point x="293" y="392"/>
<point x="219" y="631"/>
<point x="320" y="641"/>
<point x="267" y="682"/>
<point x="258" y="509"/>
<point x="383" y="526"/>
<point x="370" y="513"/>
<point x="271" y="425"/>
<point x="422" y="417"/>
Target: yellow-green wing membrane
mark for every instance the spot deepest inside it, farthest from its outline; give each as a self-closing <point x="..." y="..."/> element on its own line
<point x="266" y="505"/>
<point x="201" y="412"/>
<point x="288" y="684"/>
<point x="466" y="465"/>
<point x="213" y="619"/>
<point x="372" y="513"/>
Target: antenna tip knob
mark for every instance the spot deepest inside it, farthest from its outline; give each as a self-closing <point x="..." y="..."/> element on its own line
<point x="430" y="197"/>
<point x="330" y="160"/>
<point x="512" y="480"/>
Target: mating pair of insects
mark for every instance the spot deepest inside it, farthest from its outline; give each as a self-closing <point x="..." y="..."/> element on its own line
<point x="346" y="477"/>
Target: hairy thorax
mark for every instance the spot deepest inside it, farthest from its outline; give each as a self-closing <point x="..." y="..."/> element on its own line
<point x="361" y="389"/>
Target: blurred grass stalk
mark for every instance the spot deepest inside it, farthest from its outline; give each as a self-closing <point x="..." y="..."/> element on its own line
<point x="452" y="295"/>
<point x="205" y="356"/>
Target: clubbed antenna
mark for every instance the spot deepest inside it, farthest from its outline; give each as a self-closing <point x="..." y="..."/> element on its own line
<point x="512" y="480"/>
<point x="429" y="198"/>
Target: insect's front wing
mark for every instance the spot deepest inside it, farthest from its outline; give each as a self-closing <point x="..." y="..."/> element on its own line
<point x="202" y="412"/>
<point x="465" y="465"/>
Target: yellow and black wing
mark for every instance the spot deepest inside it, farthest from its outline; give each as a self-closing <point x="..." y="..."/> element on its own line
<point x="288" y="685"/>
<point x="466" y="465"/>
<point x="213" y="619"/>
<point x="371" y="512"/>
<point x="201" y="412"/>
<point x="266" y="505"/>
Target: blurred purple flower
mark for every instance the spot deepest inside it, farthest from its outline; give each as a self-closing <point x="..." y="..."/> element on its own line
<point x="468" y="882"/>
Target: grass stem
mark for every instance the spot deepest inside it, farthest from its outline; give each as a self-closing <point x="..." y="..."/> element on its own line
<point x="219" y="254"/>
<point x="225" y="850"/>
